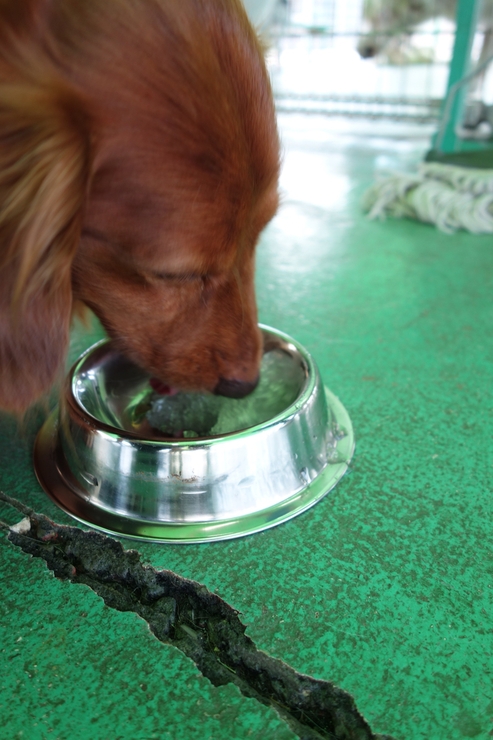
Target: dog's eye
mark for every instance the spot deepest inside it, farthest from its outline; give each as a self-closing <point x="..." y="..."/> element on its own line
<point x="182" y="277"/>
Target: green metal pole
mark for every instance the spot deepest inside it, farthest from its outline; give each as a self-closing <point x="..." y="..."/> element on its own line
<point x="466" y="16"/>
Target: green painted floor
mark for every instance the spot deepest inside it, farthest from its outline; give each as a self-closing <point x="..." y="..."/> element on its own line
<point x="386" y="586"/>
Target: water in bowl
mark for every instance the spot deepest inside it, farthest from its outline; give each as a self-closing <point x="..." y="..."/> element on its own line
<point x="116" y="392"/>
<point x="203" y="415"/>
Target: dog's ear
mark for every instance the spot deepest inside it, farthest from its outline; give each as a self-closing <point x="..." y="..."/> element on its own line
<point x="44" y="172"/>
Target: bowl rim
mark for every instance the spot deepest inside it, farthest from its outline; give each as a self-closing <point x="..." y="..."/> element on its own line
<point x="185" y="442"/>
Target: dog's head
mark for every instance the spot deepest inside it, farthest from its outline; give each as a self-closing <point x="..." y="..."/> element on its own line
<point x="139" y="160"/>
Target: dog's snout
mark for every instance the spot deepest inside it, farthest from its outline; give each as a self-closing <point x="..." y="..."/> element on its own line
<point x="235" y="388"/>
<point x="367" y="51"/>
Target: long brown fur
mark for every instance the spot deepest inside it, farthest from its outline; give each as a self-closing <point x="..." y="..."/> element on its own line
<point x="139" y="161"/>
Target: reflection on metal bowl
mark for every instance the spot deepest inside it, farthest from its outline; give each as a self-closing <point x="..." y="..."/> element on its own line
<point x="274" y="454"/>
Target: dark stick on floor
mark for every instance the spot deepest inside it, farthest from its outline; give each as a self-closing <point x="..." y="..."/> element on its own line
<point x="185" y="614"/>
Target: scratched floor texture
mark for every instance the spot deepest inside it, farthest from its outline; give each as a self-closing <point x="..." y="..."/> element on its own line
<point x="385" y="586"/>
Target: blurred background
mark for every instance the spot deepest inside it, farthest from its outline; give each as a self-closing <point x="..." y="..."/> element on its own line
<point x="373" y="59"/>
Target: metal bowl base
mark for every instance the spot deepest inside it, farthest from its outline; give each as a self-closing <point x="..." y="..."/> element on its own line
<point x="55" y="477"/>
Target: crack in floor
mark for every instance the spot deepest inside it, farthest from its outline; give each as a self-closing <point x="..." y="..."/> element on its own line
<point x="185" y="614"/>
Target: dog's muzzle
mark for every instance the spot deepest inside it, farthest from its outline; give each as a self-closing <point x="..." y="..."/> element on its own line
<point x="235" y="388"/>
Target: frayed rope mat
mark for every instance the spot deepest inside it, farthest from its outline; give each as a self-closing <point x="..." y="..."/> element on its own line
<point x="448" y="196"/>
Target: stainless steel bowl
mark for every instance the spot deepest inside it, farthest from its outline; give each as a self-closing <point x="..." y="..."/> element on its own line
<point x="100" y="460"/>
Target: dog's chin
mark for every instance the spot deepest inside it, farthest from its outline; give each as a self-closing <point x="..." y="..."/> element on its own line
<point x="226" y="388"/>
<point x="235" y="388"/>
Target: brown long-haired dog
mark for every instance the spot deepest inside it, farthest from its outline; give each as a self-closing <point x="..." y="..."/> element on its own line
<point x="139" y="160"/>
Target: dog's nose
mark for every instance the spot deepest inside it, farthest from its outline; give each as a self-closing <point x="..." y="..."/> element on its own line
<point x="367" y="51"/>
<point x="235" y="388"/>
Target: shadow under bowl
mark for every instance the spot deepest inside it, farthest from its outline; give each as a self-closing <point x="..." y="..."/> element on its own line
<point x="192" y="467"/>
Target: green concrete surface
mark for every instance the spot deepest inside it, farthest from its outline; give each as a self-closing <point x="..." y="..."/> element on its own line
<point x="385" y="586"/>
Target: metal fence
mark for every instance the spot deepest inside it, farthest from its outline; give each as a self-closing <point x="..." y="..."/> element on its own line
<point x="363" y="58"/>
